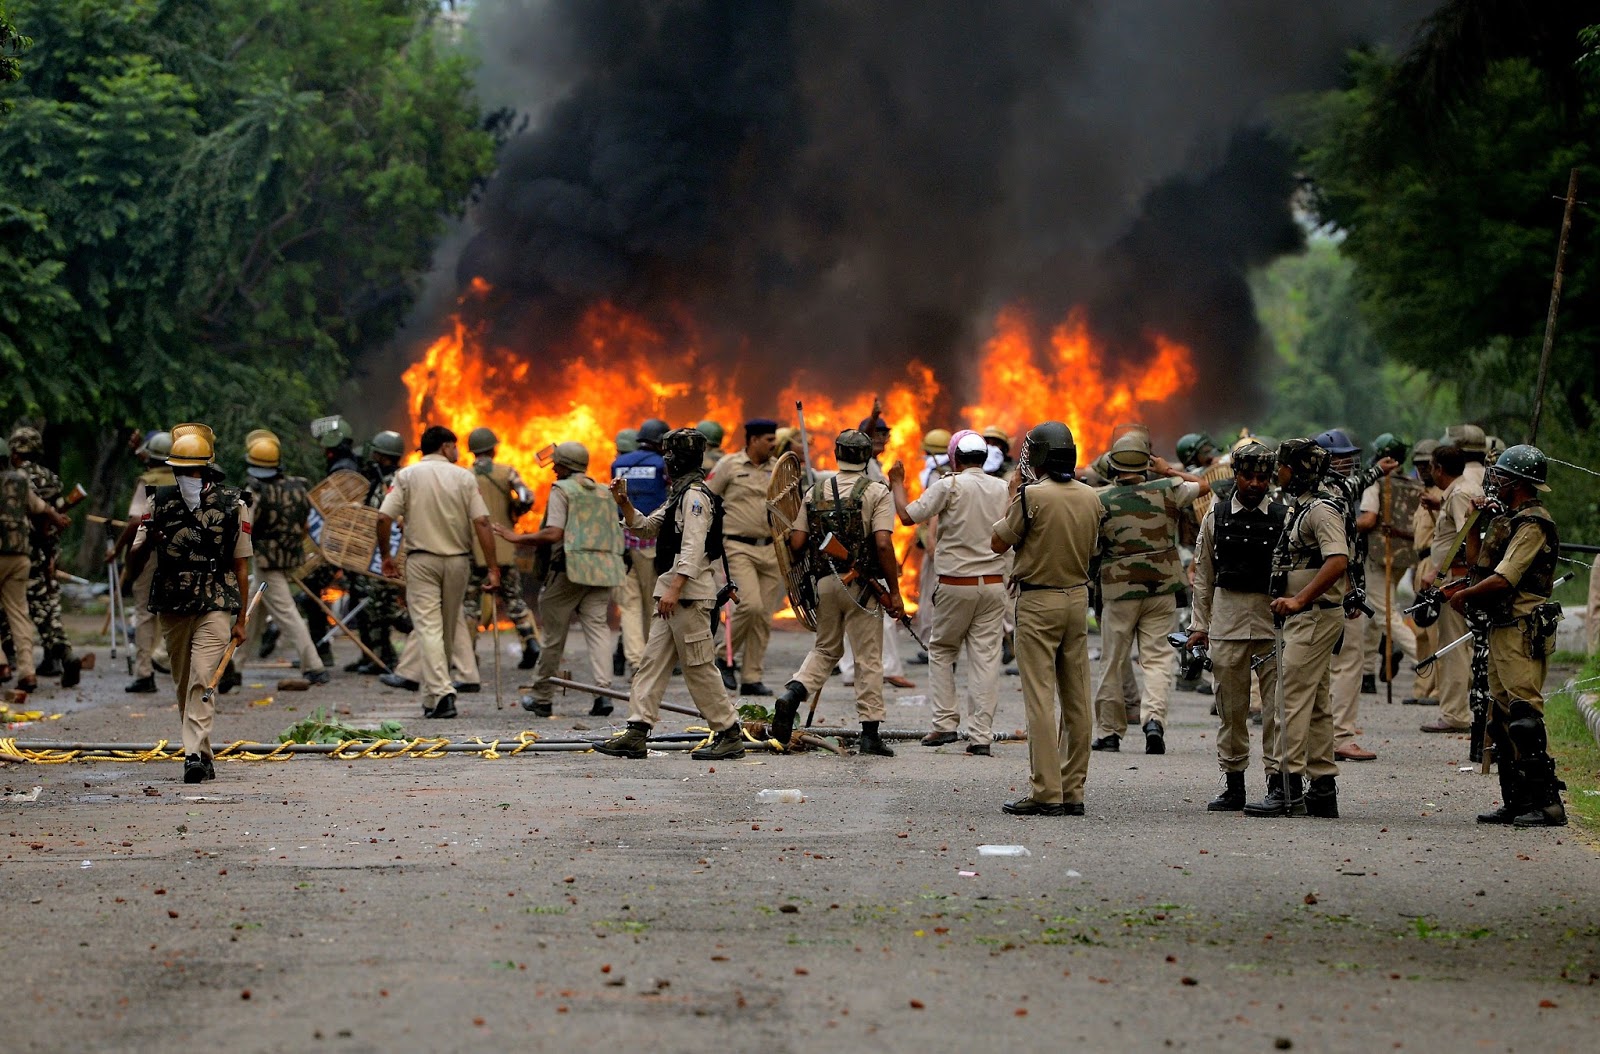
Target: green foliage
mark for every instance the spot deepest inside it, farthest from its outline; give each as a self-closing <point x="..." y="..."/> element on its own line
<point x="12" y="44"/>
<point x="320" y="728"/>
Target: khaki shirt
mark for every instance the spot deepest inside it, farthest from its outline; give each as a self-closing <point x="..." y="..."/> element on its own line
<point x="967" y="505"/>
<point x="1454" y="511"/>
<point x="742" y="486"/>
<point x="438" y="501"/>
<point x="1224" y="614"/>
<point x="877" y="504"/>
<point x="1520" y="551"/>
<point x="1320" y="530"/>
<point x="692" y="516"/>
<point x="1422" y="524"/>
<point x="1062" y="525"/>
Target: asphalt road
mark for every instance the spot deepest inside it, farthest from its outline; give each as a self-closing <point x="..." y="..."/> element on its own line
<point x="560" y="901"/>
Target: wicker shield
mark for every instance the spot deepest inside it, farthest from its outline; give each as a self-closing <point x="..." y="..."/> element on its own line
<point x="342" y="488"/>
<point x="1398" y="500"/>
<point x="785" y="498"/>
<point x="1213" y="474"/>
<point x="349" y="541"/>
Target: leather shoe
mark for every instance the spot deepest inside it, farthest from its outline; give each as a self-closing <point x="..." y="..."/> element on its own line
<point x="602" y="707"/>
<point x="1354" y="752"/>
<point x="754" y="688"/>
<point x="394" y="680"/>
<point x="900" y="682"/>
<point x="533" y="706"/>
<point x="1107" y="743"/>
<point x="466" y="687"/>
<point x="919" y="659"/>
<point x="939" y="739"/>
<point x="730" y="681"/>
<point x="1029" y="807"/>
<point x="444" y="708"/>
<point x="1419" y="700"/>
<point x="1155" y="738"/>
<point x="317" y="676"/>
<point x="1445" y="726"/>
<point x="979" y="750"/>
<point x="142" y="685"/>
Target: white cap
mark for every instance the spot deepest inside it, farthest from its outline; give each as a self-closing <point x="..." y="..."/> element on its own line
<point x="971" y="443"/>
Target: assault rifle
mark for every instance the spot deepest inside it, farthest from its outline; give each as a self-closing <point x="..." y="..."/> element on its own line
<point x="835" y="549"/>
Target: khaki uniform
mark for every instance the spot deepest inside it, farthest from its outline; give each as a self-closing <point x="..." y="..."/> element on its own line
<point x="1239" y="625"/>
<point x="561" y="598"/>
<point x="1455" y="669"/>
<point x="1361" y="634"/>
<point x="968" y="595"/>
<point x="1513" y="671"/>
<point x="752" y="560"/>
<point x="146" y="641"/>
<point x="17" y="503"/>
<point x="498" y="483"/>
<point x="439" y="502"/>
<point x="851" y="613"/>
<point x="463" y="661"/>
<point x="684" y="639"/>
<point x="1426" y="685"/>
<point x="1312" y="537"/>
<point x="1055" y="530"/>
<point x="1141" y="576"/>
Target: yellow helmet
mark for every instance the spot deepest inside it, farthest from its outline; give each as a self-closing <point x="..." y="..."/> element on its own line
<point x="193" y="445"/>
<point x="936" y="441"/>
<point x="261" y="449"/>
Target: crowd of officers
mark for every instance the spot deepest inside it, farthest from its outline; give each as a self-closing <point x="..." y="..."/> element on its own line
<point x="1017" y="556"/>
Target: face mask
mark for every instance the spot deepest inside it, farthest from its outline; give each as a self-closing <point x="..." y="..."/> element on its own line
<point x="994" y="460"/>
<point x="189" y="487"/>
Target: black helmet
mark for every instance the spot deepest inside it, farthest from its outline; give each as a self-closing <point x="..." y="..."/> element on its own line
<point x="1051" y="450"/>
<point x="1306" y="461"/>
<point x="1521" y="462"/>
<point x="683" y="449"/>
<point x="652" y="432"/>
<point x="852" y="447"/>
<point x="1389" y="445"/>
<point x="1254" y="457"/>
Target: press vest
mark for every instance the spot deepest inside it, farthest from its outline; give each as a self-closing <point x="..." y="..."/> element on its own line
<point x="646" y="474"/>
<point x="1243" y="543"/>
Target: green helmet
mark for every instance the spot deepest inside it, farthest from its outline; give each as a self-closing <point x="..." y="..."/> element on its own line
<point x="1388" y="445"/>
<point x="1052" y="450"/>
<point x="1469" y="438"/>
<point x="711" y="430"/>
<point x="1190" y="446"/>
<point x="331" y="431"/>
<point x="1523" y="462"/>
<point x="574" y="456"/>
<point x="481" y="440"/>
<point x="852" y="447"/>
<point x="1130" y="453"/>
<point x="388" y="443"/>
<point x="627" y="440"/>
<point x="683" y="449"/>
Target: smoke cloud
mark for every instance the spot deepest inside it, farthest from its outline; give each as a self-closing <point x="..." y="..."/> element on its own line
<point x="826" y="185"/>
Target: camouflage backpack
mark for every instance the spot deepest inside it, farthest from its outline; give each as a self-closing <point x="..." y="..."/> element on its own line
<point x="839" y="514"/>
<point x="592" y="538"/>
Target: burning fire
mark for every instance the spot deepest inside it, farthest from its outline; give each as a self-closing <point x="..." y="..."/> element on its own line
<point x="623" y="371"/>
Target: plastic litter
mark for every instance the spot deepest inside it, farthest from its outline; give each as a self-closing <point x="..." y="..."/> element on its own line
<point x="24" y="796"/>
<point x="1003" y="850"/>
<point x="791" y="796"/>
<point x="86" y="865"/>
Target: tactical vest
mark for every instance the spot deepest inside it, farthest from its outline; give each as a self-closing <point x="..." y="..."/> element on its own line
<point x="669" y="542"/>
<point x="13" y="513"/>
<point x="193" y="551"/>
<point x="1243" y="543"/>
<point x="1140" y="558"/>
<point x="830" y="512"/>
<point x="1289" y="554"/>
<point x="278" y="521"/>
<point x="1539" y="578"/>
<point x="494" y="483"/>
<point x="591" y="541"/>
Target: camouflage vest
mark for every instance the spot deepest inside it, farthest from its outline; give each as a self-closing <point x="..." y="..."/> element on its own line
<point x="831" y="512"/>
<point x="1242" y="543"/>
<point x="1140" y="531"/>
<point x="194" y="552"/>
<point x="591" y="541"/>
<point x="1539" y="579"/>
<point x="494" y="483"/>
<point x="278" y="522"/>
<point x="13" y="513"/>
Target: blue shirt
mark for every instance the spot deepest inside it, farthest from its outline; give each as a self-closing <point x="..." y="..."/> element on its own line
<point x="646" y="473"/>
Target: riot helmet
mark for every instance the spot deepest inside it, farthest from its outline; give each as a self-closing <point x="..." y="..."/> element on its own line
<point x="627" y="440"/>
<point x="1130" y="453"/>
<point x="1051" y="450"/>
<point x="652" y="432"/>
<point x="683" y="449"/>
<point x="712" y="431"/>
<point x="1521" y="463"/>
<point x="936" y="441"/>
<point x="482" y="440"/>
<point x="1388" y="445"/>
<point x="1254" y="457"/>
<point x="1306" y="461"/>
<point x="389" y="443"/>
<point x="853" y="448"/>
<point x="572" y="456"/>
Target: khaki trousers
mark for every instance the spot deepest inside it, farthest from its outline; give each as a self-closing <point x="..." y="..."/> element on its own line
<point x="14" y="601"/>
<point x="1455" y="670"/>
<point x="463" y="662"/>
<point x="1344" y="679"/>
<point x="840" y="617"/>
<point x="682" y="640"/>
<point x="560" y="599"/>
<point x="1146" y="620"/>
<point x="436" y="587"/>
<point x="888" y="654"/>
<point x="1308" y="640"/>
<point x="1513" y="673"/>
<point x="1426" y="685"/>
<point x="1230" y="666"/>
<point x="1053" y="661"/>
<point x="638" y="606"/>
<point x="976" y="616"/>
<point x="761" y="593"/>
<point x="279" y="603"/>
<point x="196" y="644"/>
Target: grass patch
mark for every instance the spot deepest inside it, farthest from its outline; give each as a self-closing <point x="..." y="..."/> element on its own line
<point x="1576" y="753"/>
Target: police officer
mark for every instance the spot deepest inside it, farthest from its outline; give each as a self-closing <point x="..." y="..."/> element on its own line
<point x="859" y="513"/>
<point x="969" y="588"/>
<point x="198" y="536"/>
<point x="1053" y="523"/>
<point x="337" y="440"/>
<point x="575" y="507"/>
<point x="685" y="532"/>
<point x="1458" y="468"/>
<point x="714" y="434"/>
<point x="1141" y="576"/>
<point x="1512" y="580"/>
<point x="44" y="592"/>
<point x="338" y="446"/>
<point x="279" y="507"/>
<point x="876" y="429"/>
<point x="741" y="481"/>
<point x="626" y="596"/>
<point x="936" y="463"/>
<point x="382" y="611"/>
<point x="18" y="506"/>
<point x="507" y="499"/>
<point x="1425" y="688"/>
<point x="1196" y="451"/>
<point x="999" y="461"/>
<point x="1308" y="585"/>
<point x="153" y="454"/>
<point x="1232" y="616"/>
<point x="646" y="473"/>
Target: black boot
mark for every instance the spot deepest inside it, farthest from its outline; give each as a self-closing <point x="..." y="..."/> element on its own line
<point x="730" y="680"/>
<point x="1008" y="649"/>
<point x="1232" y="797"/>
<point x="269" y="639"/>
<point x="1155" y="738"/>
<point x="785" y="709"/>
<point x="142" y="685"/>
<point x="51" y="666"/>
<point x="727" y="745"/>
<point x="325" y="653"/>
<point x="619" y="661"/>
<point x="530" y="653"/>
<point x="602" y="707"/>
<point x="871" y="742"/>
<point x="1322" y="798"/>
<point x="231" y="679"/>
<point x="631" y="742"/>
<point x="1513" y="799"/>
<point x="1544" y="808"/>
<point x="1285" y="797"/>
<point x="194" y="769"/>
<point x="71" y="672"/>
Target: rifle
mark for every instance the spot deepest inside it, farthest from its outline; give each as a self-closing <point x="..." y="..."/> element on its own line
<point x="832" y="547"/>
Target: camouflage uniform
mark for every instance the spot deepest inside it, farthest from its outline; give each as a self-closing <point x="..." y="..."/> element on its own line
<point x="507" y="498"/>
<point x="1140" y="579"/>
<point x="44" y="592"/>
<point x="383" y="611"/>
<point x="17" y="501"/>
<point x="279" y="510"/>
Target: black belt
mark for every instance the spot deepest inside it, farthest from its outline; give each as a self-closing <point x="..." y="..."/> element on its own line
<point x="1424" y="551"/>
<point x="1029" y="587"/>
<point x="746" y="539"/>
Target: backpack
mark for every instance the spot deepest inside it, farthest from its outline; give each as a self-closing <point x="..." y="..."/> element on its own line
<point x="592" y="539"/>
<point x="840" y="515"/>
